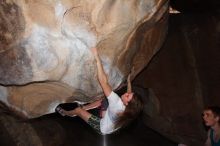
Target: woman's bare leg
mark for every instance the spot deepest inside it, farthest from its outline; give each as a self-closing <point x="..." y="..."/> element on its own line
<point x="83" y="114"/>
<point x="92" y="105"/>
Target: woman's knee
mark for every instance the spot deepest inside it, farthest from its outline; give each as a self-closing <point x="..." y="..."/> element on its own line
<point x="82" y="113"/>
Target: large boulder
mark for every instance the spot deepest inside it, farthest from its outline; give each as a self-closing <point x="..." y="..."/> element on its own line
<point x="45" y="48"/>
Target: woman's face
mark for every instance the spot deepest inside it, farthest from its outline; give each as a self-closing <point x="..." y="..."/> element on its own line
<point x="126" y="98"/>
<point x="209" y="118"/>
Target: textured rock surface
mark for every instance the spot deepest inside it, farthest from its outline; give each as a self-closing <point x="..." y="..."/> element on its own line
<point x="45" y="41"/>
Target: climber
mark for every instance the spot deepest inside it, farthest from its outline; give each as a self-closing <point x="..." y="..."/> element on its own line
<point x="117" y="111"/>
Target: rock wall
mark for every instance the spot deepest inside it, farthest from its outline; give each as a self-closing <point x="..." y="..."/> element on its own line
<point x="45" y="47"/>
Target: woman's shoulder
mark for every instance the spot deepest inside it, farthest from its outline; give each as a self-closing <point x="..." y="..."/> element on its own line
<point x="113" y="94"/>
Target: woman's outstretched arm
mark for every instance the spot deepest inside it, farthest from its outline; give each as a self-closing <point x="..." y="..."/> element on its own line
<point x="129" y="88"/>
<point x="102" y="77"/>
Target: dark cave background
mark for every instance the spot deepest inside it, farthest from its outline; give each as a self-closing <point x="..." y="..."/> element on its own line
<point x="184" y="75"/>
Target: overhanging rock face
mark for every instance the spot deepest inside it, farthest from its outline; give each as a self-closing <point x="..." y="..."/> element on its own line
<point x="49" y="42"/>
